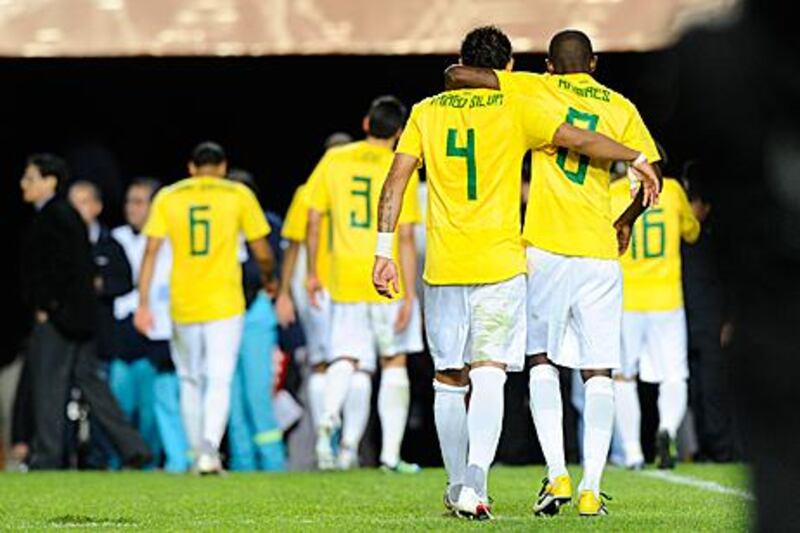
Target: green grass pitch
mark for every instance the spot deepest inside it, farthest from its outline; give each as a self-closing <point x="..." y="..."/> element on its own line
<point x="365" y="500"/>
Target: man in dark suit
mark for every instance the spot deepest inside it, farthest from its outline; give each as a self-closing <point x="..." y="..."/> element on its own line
<point x="58" y="284"/>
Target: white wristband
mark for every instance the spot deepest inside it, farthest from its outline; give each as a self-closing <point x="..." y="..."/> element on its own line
<point x="385" y="245"/>
<point x="641" y="159"/>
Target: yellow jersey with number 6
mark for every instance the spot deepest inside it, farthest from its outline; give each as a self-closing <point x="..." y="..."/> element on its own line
<point x="472" y="143"/>
<point x="347" y="184"/>
<point x="204" y="219"/>
<point x="651" y="267"/>
<point x="569" y="209"/>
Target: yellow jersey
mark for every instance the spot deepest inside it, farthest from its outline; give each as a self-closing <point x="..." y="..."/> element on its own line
<point x="569" y="210"/>
<point x="651" y="267"/>
<point x="472" y="143"/>
<point x="295" y="227"/>
<point x="204" y="219"/>
<point x="348" y="183"/>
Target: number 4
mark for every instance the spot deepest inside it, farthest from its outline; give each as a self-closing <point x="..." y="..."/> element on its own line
<point x="467" y="152"/>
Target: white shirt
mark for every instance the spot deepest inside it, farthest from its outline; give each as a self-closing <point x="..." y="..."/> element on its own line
<point x="134" y="245"/>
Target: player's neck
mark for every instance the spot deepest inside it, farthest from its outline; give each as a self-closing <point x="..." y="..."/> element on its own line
<point x="386" y="143"/>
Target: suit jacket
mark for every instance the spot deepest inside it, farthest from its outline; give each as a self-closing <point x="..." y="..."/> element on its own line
<point x="57" y="270"/>
<point x="112" y="268"/>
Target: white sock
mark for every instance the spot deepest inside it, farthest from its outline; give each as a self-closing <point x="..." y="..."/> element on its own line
<point x="672" y="397"/>
<point x="547" y="411"/>
<point x="356" y="410"/>
<point x="598" y="423"/>
<point x="191" y="400"/>
<point x="484" y="422"/>
<point x="627" y="420"/>
<point x="450" y="415"/>
<point x="337" y="383"/>
<point x="316" y="396"/>
<point x="393" y="400"/>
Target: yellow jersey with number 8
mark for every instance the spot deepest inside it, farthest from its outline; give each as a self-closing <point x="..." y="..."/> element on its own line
<point x="347" y="184"/>
<point x="204" y="219"/>
<point x="651" y="267"/>
<point x="569" y="209"/>
<point x="472" y="143"/>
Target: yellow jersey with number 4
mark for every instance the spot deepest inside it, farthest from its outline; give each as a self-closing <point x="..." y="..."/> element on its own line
<point x="569" y="210"/>
<point x="295" y="227"/>
<point x="204" y="219"/>
<point x="347" y="184"/>
<point x="651" y="267"/>
<point x="472" y="143"/>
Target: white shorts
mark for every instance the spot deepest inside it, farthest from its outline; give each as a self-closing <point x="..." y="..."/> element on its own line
<point x="207" y="349"/>
<point x="316" y="322"/>
<point x="476" y="323"/>
<point x="365" y="330"/>
<point x="654" y="345"/>
<point x="574" y="309"/>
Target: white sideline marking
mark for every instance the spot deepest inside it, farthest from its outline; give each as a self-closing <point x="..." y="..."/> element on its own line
<point x="703" y="484"/>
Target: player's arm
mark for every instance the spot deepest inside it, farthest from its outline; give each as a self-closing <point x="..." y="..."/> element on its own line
<point x="312" y="244"/>
<point x="461" y="77"/>
<point x="265" y="259"/>
<point x="598" y="146"/>
<point x="407" y="250"/>
<point x="143" y="319"/>
<point x="624" y="224"/>
<point x="284" y="306"/>
<point x="690" y="226"/>
<point x="384" y="272"/>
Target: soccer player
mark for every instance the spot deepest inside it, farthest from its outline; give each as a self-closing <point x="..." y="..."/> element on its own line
<point x="574" y="277"/>
<point x="654" y="339"/>
<point x="204" y="217"/>
<point x="472" y="143"/>
<point x="346" y="183"/>
<point x="292" y="294"/>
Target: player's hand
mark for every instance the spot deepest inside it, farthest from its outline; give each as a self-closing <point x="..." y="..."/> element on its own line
<point x="284" y="307"/>
<point x="143" y="320"/>
<point x="623" y="236"/>
<point x="313" y="286"/>
<point x="645" y="173"/>
<point x="271" y="287"/>
<point x="404" y="314"/>
<point x="384" y="277"/>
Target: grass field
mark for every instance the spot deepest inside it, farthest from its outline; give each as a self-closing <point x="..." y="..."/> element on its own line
<point x="715" y="499"/>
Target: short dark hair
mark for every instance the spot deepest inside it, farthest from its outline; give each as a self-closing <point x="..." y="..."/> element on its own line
<point x="386" y="117"/>
<point x="93" y="188"/>
<point x="570" y="51"/>
<point x="243" y="176"/>
<point x="50" y="165"/>
<point x="486" y="47"/>
<point x="150" y="183"/>
<point x="695" y="181"/>
<point x="208" y="153"/>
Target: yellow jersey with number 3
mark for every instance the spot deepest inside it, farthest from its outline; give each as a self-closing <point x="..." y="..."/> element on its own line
<point x="204" y="219"/>
<point x="295" y="227"/>
<point x="347" y="183"/>
<point x="569" y="210"/>
<point x="472" y="143"/>
<point x="651" y="267"/>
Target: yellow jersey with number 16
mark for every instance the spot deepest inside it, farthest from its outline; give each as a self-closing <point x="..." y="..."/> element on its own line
<point x="472" y="143"/>
<point x="651" y="267"/>
<point x="204" y="219"/>
<point x="347" y="184"/>
<point x="569" y="209"/>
